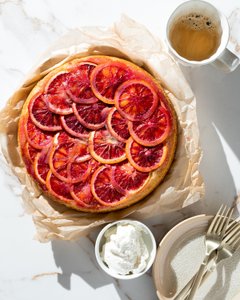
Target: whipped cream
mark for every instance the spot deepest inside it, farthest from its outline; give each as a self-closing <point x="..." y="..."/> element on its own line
<point x="124" y="250"/>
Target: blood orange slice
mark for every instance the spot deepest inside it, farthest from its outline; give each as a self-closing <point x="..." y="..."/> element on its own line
<point x="80" y="151"/>
<point x="59" y="104"/>
<point x="58" y="188"/>
<point x="136" y="100"/>
<point x="105" y="148"/>
<point x="79" y="88"/>
<point x="36" y="137"/>
<point x="28" y="156"/>
<point x="103" y="189"/>
<point x="41" y="165"/>
<point x="41" y="116"/>
<point x="153" y="130"/>
<point x="72" y="152"/>
<point x="57" y="98"/>
<point x="78" y="170"/>
<point x="81" y="192"/>
<point x="71" y="124"/>
<point x="145" y="159"/>
<point x="128" y="178"/>
<point x="106" y="78"/>
<point x="62" y="137"/>
<point x="58" y="84"/>
<point x="92" y="116"/>
<point x="59" y="157"/>
<point x="117" y="125"/>
<point x="30" y="152"/>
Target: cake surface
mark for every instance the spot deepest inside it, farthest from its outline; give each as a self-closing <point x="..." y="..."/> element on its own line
<point x="97" y="134"/>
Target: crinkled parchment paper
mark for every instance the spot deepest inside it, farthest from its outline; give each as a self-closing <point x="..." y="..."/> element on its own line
<point x="183" y="184"/>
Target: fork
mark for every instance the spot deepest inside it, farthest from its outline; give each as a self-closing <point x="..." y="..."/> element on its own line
<point x="213" y="241"/>
<point x="229" y="245"/>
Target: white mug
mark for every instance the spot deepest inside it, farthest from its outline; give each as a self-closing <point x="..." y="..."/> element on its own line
<point x="222" y="58"/>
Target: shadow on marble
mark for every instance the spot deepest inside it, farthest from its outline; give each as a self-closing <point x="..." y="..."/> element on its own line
<point x="218" y="115"/>
<point x="225" y="276"/>
<point x="77" y="258"/>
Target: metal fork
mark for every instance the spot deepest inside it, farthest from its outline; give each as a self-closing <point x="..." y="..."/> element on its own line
<point x="230" y="244"/>
<point x="213" y="239"/>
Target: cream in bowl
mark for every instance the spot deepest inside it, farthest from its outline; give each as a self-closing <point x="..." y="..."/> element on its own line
<point x="125" y="249"/>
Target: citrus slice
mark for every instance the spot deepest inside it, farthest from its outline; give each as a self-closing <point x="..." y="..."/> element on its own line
<point x="153" y="130"/>
<point x="30" y="152"/>
<point x="105" y="148"/>
<point x="58" y="188"/>
<point x="28" y="156"/>
<point x="59" y="158"/>
<point x="36" y="137"/>
<point x="80" y="151"/>
<point x="78" y="170"/>
<point x="79" y="88"/>
<point x="70" y="152"/>
<point x="81" y="192"/>
<point x="57" y="98"/>
<point x="117" y="125"/>
<point x="71" y="124"/>
<point x="41" y="116"/>
<point x="136" y="100"/>
<point x="62" y="137"/>
<point x="92" y="116"/>
<point x="41" y="165"/>
<point x="59" y="104"/>
<point x="58" y="83"/>
<point x="103" y="189"/>
<point x="145" y="159"/>
<point x="106" y="78"/>
<point x="128" y="179"/>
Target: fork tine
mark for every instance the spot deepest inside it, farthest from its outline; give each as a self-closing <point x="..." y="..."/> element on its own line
<point x="236" y="243"/>
<point x="216" y="224"/>
<point x="220" y="219"/>
<point x="210" y="228"/>
<point x="232" y="224"/>
<point x="219" y="224"/>
<point x="231" y="231"/>
<point x="225" y="221"/>
<point x="233" y="235"/>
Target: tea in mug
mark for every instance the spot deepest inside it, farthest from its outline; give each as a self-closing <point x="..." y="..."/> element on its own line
<point x="195" y="36"/>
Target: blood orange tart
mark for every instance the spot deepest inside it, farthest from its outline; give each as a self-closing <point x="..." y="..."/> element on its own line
<point x="97" y="134"/>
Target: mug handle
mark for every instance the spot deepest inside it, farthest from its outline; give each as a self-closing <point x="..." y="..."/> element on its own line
<point x="227" y="61"/>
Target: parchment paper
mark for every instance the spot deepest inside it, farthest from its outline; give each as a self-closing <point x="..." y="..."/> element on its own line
<point x="183" y="184"/>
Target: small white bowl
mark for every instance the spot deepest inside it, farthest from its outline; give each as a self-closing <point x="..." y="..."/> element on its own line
<point x="147" y="237"/>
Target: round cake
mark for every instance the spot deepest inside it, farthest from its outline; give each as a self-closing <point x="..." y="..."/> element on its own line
<point x="97" y="134"/>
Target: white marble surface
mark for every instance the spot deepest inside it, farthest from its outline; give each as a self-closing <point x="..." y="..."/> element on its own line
<point x="68" y="270"/>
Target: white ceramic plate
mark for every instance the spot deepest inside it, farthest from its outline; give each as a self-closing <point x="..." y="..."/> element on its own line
<point x="179" y="255"/>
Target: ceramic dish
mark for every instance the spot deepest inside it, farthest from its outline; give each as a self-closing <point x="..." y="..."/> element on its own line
<point x="179" y="255"/>
<point x="149" y="241"/>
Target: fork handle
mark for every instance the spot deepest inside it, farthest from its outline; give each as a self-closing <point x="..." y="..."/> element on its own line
<point x="186" y="289"/>
<point x="198" y="278"/>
